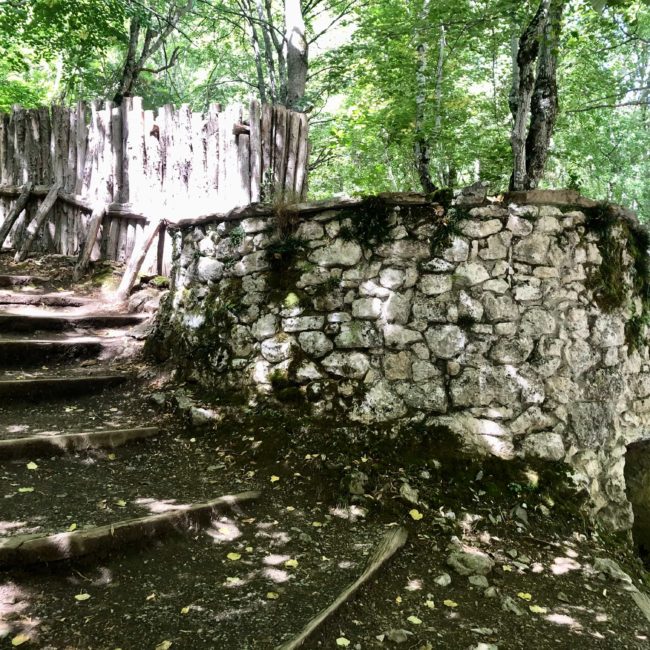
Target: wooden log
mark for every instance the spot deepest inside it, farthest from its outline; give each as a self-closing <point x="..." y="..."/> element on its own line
<point x="130" y="238"/>
<point x="41" y="215"/>
<point x="71" y="168"/>
<point x="81" y="145"/>
<point x="212" y="152"/>
<point x="19" y="144"/>
<point x="44" y="125"/>
<point x="20" y="550"/>
<point x="116" y="153"/>
<point x="243" y="158"/>
<point x="255" y="151"/>
<point x="19" y="206"/>
<point x="137" y="258"/>
<point x="4" y="126"/>
<point x="302" y="165"/>
<point x="33" y="146"/>
<point x="112" y="238"/>
<point x="392" y="541"/>
<point x="293" y="144"/>
<point x="91" y="239"/>
<point x="120" y="249"/>
<point x="280" y="154"/>
<point x="267" y="151"/>
<point x="106" y="167"/>
<point x="10" y="159"/>
<point x="126" y="189"/>
<point x="197" y="184"/>
<point x="134" y="152"/>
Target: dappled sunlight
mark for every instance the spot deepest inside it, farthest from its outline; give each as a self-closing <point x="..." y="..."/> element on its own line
<point x="17" y="428"/>
<point x="158" y="506"/>
<point x="414" y="584"/>
<point x="275" y="559"/>
<point x="223" y="530"/>
<point x="276" y="575"/>
<point x="8" y="526"/>
<point x="563" y="619"/>
<point x="352" y="513"/>
<point x="14" y="604"/>
<point x="346" y="564"/>
<point x="562" y="565"/>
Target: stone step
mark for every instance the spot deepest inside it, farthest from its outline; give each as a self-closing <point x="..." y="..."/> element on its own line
<point x="63" y="299"/>
<point x="52" y="387"/>
<point x="36" y="446"/>
<point x="21" y="550"/>
<point x="29" y="352"/>
<point x="52" y="321"/>
<point x="20" y="280"/>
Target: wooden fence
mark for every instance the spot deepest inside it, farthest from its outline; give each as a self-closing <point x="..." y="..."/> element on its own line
<point x="132" y="168"/>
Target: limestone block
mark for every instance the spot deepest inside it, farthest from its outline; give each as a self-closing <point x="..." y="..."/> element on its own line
<point x="488" y="212"/>
<point x="253" y="263"/>
<point x="547" y="224"/>
<point x="497" y="247"/>
<point x="265" y="327"/>
<point x="241" y="341"/>
<point x="512" y="351"/>
<point x="310" y="230"/>
<point x="479" y="229"/>
<point x="392" y="278"/>
<point x="303" y="323"/>
<point x="422" y="370"/>
<point x="469" y="274"/>
<point x="608" y="331"/>
<point x="315" y="344"/>
<point x="500" y="308"/>
<point x="446" y="341"/>
<point x="532" y="249"/>
<point x="398" y="337"/>
<point x="371" y="288"/>
<point x="358" y="334"/>
<point x="278" y="348"/>
<point x="518" y="226"/>
<point x="562" y="390"/>
<point x="433" y="285"/>
<point x="313" y="278"/>
<point x="458" y="251"/>
<point x="428" y="396"/>
<point x="397" y="309"/>
<point x="353" y="365"/>
<point x="380" y="404"/>
<point x="209" y="269"/>
<point x="366" y="308"/>
<point x="548" y="446"/>
<point x="580" y="356"/>
<point x="338" y="253"/>
<point x="537" y="322"/>
<point x="469" y="307"/>
<point x="397" y="366"/>
<point x="532" y="420"/>
<point x="404" y="250"/>
<point x="496" y="286"/>
<point x="437" y="265"/>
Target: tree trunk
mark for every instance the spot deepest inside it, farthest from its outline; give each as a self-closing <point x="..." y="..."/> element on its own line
<point x="268" y="50"/>
<point x="528" y="50"/>
<point x="544" y="103"/>
<point x="421" y="147"/>
<point x="129" y="72"/>
<point x="297" y="53"/>
<point x="257" y="54"/>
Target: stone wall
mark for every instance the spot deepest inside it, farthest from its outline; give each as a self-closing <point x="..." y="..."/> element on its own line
<point x="501" y="324"/>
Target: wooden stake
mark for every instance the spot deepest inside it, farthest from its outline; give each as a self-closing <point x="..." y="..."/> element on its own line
<point x="91" y="238"/>
<point x="10" y="219"/>
<point x="392" y="541"/>
<point x="137" y="258"/>
<point x="41" y="215"/>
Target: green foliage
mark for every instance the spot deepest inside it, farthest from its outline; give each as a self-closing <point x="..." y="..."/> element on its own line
<point x="369" y="222"/>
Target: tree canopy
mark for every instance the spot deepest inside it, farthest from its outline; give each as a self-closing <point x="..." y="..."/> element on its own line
<point x="397" y="91"/>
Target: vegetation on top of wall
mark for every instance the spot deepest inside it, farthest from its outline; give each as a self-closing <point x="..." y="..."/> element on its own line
<point x="618" y="238"/>
<point x="446" y="229"/>
<point x="371" y="222"/>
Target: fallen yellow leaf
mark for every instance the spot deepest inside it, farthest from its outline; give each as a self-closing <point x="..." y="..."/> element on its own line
<point x="274" y="478"/>
<point x="32" y="465"/>
<point x="185" y="610"/>
<point x="272" y="595"/>
<point x="450" y="603"/>
<point x="290" y="508"/>
<point x="19" y="639"/>
<point x="342" y="642"/>
<point x="234" y="556"/>
<point x="121" y="503"/>
<point x="82" y="597"/>
<point x="415" y="514"/>
<point x="316" y="524"/>
<point x="72" y="527"/>
<point x="430" y="604"/>
<point x="536" y="609"/>
<point x="415" y="620"/>
<point x="524" y="596"/>
<point x="164" y="645"/>
<point x="292" y="564"/>
<point x="26" y="489"/>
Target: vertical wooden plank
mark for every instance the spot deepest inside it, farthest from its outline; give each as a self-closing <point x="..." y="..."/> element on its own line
<point x="130" y="238"/>
<point x="71" y="168"/>
<point x="292" y="154"/>
<point x="106" y="166"/>
<point x="134" y="152"/>
<point x="280" y="154"/>
<point x="243" y="155"/>
<point x="267" y="150"/>
<point x="302" y="167"/>
<point x="223" y="147"/>
<point x="255" y="151"/>
<point x="197" y="183"/>
<point x="44" y="125"/>
<point x="212" y="152"/>
<point x="4" y="127"/>
<point x="183" y="153"/>
<point x="19" y="149"/>
<point x="64" y="137"/>
<point x="126" y="190"/>
<point x="165" y="125"/>
<point x="117" y="154"/>
<point x="113" y="238"/>
<point x="81" y="145"/>
<point x="33" y="146"/>
<point x="10" y="159"/>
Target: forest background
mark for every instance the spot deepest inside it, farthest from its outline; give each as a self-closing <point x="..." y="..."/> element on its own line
<point x="389" y="85"/>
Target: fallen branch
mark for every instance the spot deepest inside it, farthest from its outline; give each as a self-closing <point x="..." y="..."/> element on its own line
<point x="392" y="541"/>
<point x="91" y="238"/>
<point x="29" y="549"/>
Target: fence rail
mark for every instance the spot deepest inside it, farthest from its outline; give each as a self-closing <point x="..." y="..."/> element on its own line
<point x="135" y="167"/>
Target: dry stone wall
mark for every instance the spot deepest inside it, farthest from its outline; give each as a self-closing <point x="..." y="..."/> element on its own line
<point x="484" y="323"/>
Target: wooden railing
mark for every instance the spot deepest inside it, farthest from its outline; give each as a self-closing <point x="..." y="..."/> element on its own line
<point x="89" y="180"/>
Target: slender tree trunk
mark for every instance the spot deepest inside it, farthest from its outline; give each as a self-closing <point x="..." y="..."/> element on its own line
<point x="297" y="53"/>
<point x="257" y="54"/>
<point x="421" y="148"/>
<point x="278" y="44"/>
<point x="129" y="72"/>
<point x="268" y="50"/>
<point x="527" y="51"/>
<point x="544" y="103"/>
